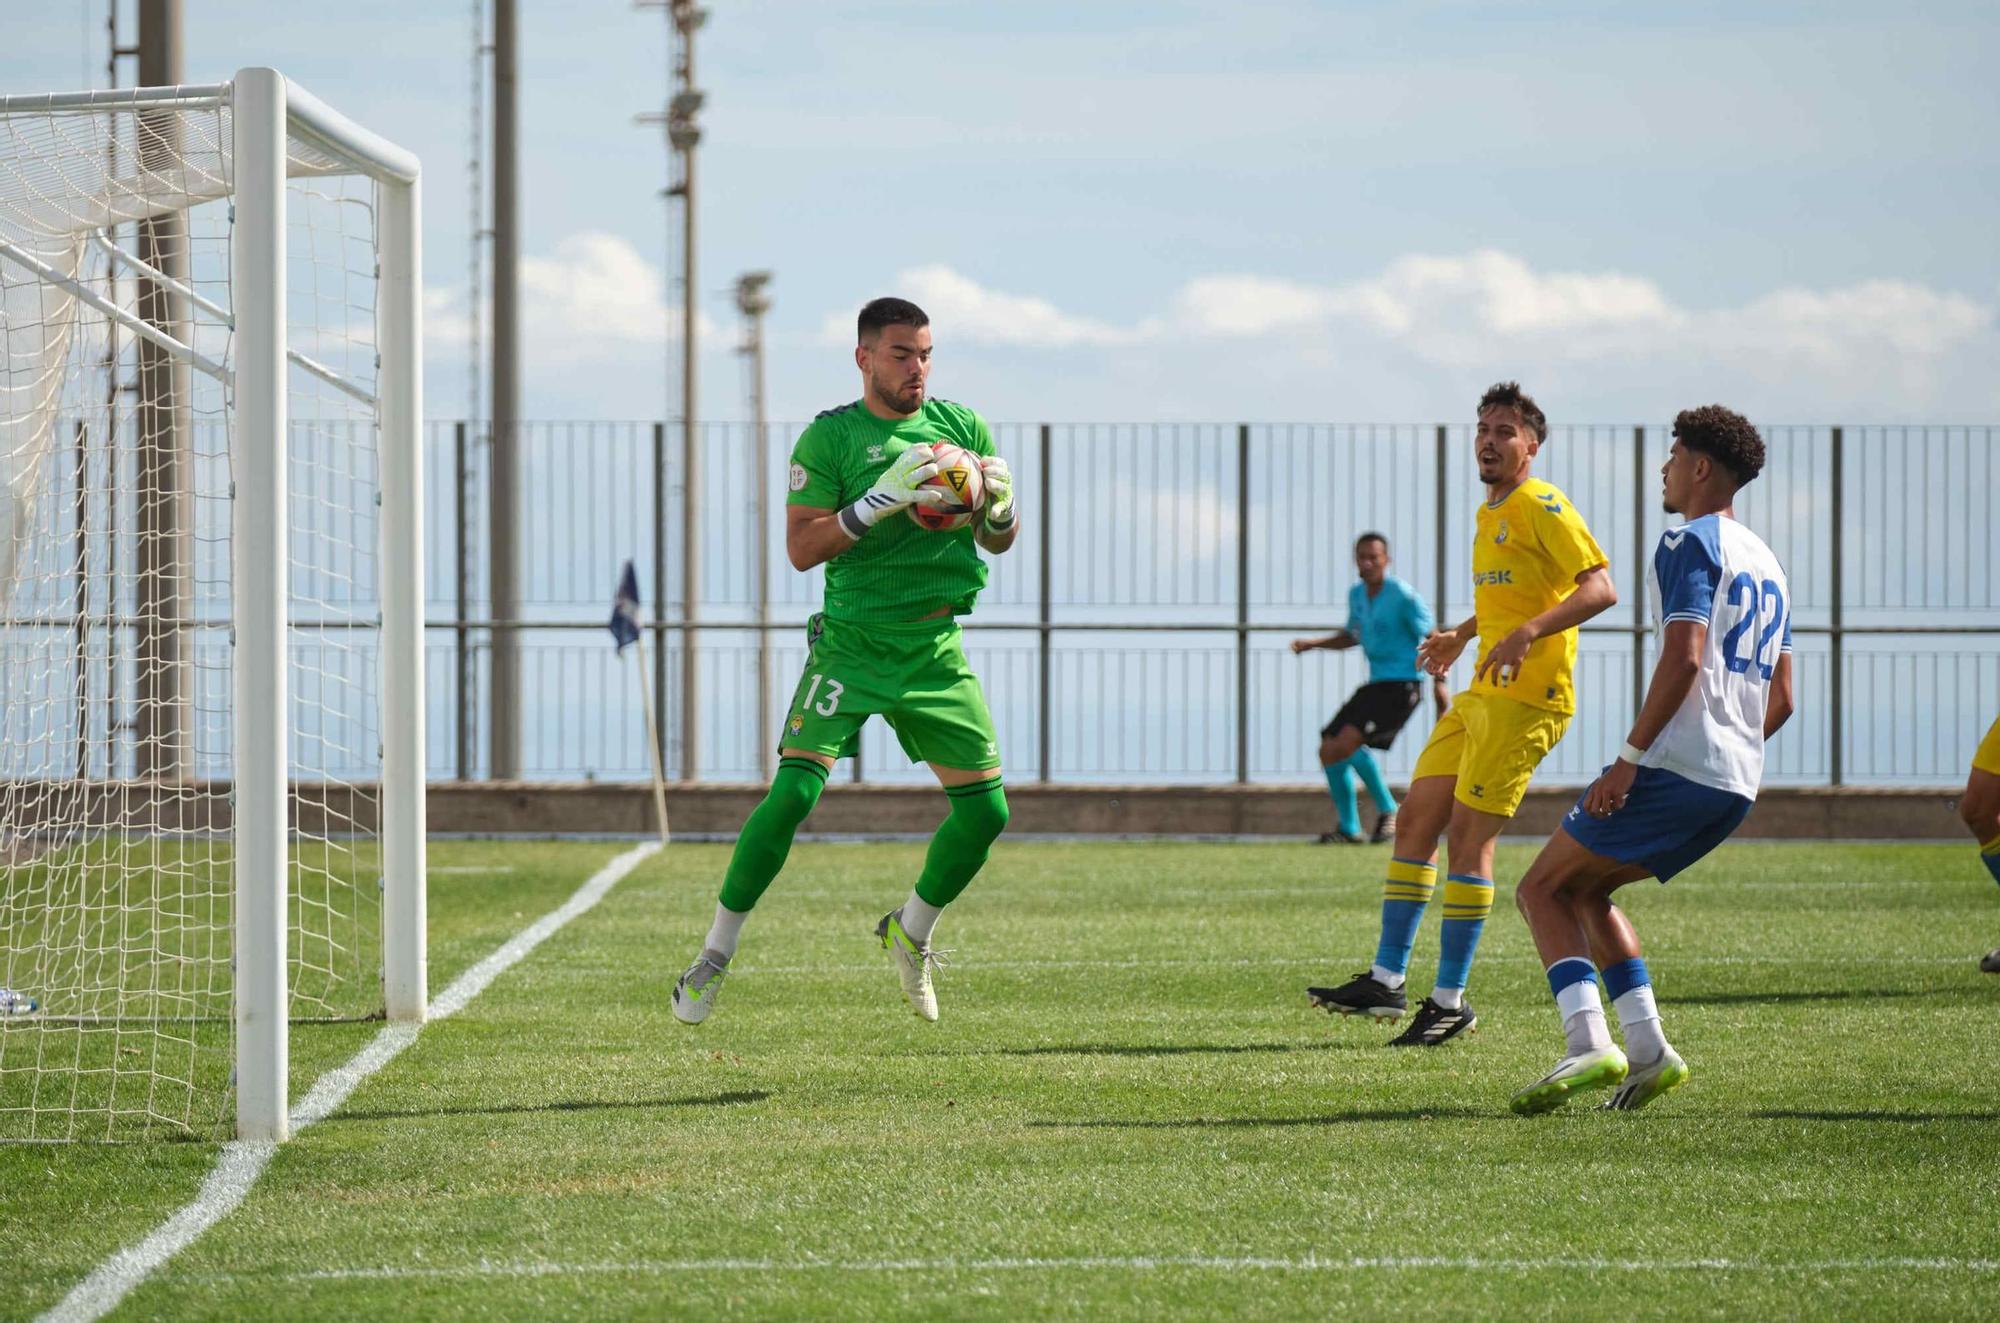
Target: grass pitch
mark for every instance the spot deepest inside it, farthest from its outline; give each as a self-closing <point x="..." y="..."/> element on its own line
<point x="1127" y="1109"/>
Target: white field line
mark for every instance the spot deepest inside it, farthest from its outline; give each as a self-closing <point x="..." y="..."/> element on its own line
<point x="486" y="1269"/>
<point x="240" y="1164"/>
<point x="475" y="870"/>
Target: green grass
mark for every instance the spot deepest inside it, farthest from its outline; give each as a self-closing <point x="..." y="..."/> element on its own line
<point x="1126" y="1069"/>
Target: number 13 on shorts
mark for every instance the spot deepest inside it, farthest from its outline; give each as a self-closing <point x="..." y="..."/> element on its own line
<point x="829" y="702"/>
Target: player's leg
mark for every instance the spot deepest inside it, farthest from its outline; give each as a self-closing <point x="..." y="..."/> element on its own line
<point x="1505" y="742"/>
<point x="1564" y="896"/>
<point x="1337" y="744"/>
<point x="1412" y="876"/>
<point x="1979" y="809"/>
<point x="942" y="719"/>
<point x="837" y="691"/>
<point x="1392" y="703"/>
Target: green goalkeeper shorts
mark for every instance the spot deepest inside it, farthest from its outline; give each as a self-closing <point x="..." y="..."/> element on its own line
<point x="914" y="676"/>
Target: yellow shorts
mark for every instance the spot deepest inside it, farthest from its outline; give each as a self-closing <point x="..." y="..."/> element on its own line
<point x="1493" y="746"/>
<point x="1987" y="759"/>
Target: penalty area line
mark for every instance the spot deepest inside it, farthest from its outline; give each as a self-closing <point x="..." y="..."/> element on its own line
<point x="241" y="1163"/>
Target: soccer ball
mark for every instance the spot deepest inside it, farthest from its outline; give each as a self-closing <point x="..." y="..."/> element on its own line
<point x="959" y="477"/>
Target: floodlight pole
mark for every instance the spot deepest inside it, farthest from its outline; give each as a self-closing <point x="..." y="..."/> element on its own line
<point x="505" y="681"/>
<point x="683" y="135"/>
<point x="753" y="303"/>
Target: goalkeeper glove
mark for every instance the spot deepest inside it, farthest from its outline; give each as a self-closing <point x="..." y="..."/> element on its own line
<point x="900" y="487"/>
<point x="999" y="482"/>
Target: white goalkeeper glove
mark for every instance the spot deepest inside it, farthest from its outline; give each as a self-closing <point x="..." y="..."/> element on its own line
<point x="999" y="481"/>
<point x="900" y="487"/>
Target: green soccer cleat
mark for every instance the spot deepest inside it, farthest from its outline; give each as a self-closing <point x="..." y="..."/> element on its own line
<point x="914" y="963"/>
<point x="1585" y="1071"/>
<point x="1648" y="1082"/>
<point x="694" y="995"/>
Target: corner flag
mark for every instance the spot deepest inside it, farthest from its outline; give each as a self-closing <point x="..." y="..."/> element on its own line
<point x="625" y="608"/>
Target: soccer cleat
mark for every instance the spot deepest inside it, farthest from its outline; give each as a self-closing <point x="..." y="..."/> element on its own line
<point x="1385" y="830"/>
<point x="1990" y="962"/>
<point x="914" y="963"/>
<point x="1341" y="838"/>
<point x="1364" y="994"/>
<point x="1436" y="1025"/>
<point x="695" y="994"/>
<point x="1646" y="1083"/>
<point x="16" y="1003"/>
<point x="1601" y="1069"/>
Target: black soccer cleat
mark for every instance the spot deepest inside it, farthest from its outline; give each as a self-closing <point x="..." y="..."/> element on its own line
<point x="1340" y="838"/>
<point x="1990" y="962"/>
<point x="1364" y="994"/>
<point x="1436" y="1025"/>
<point x="1385" y="830"/>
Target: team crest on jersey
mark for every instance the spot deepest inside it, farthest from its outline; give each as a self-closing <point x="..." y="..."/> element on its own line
<point x="798" y="477"/>
<point x="797" y="723"/>
<point x="1500" y="536"/>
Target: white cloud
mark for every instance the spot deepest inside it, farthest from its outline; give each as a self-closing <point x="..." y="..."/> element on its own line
<point x="1614" y="338"/>
<point x="984" y="316"/>
<point x="595" y="296"/>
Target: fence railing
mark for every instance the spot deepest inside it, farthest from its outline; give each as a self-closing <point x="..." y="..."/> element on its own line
<point x="1138" y="631"/>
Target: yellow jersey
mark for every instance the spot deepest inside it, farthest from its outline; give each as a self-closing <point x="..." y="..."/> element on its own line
<point x="1526" y="555"/>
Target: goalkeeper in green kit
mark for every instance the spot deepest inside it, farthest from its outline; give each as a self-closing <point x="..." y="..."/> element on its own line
<point x="887" y="643"/>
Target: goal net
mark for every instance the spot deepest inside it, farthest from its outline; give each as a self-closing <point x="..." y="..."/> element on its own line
<point x="210" y="732"/>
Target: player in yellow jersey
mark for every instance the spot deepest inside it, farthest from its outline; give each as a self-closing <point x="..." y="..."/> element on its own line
<point x="1979" y="806"/>
<point x="1537" y="574"/>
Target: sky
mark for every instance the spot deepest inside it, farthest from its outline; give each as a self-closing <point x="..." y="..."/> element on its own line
<point x="1267" y="210"/>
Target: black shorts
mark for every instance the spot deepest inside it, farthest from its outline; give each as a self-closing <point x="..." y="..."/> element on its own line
<point x="1378" y="711"/>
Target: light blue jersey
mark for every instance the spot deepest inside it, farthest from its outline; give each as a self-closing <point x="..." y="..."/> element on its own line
<point x="1390" y="625"/>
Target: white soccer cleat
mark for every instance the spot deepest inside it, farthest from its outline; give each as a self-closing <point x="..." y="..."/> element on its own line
<point x="1601" y="1069"/>
<point x="914" y="963"/>
<point x="694" y="995"/>
<point x="1646" y="1083"/>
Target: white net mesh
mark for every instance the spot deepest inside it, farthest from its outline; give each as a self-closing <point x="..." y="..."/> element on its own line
<point x="116" y="876"/>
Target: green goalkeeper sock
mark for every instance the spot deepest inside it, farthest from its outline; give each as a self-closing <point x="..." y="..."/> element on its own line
<point x="959" y="849"/>
<point x="767" y="836"/>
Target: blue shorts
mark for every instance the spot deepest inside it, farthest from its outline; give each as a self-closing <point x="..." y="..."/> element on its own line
<point x="1668" y="823"/>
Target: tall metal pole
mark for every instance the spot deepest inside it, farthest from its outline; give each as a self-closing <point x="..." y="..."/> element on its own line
<point x="753" y="303"/>
<point x="503" y="479"/>
<point x="683" y="135"/>
<point x="164" y="572"/>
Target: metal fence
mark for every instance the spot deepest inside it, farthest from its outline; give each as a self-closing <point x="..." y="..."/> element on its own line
<point x="1138" y="631"/>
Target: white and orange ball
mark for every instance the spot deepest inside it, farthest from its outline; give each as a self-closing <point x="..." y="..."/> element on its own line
<point x="960" y="478"/>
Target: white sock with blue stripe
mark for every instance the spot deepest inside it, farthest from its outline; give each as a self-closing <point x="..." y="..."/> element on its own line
<point x="1573" y="980"/>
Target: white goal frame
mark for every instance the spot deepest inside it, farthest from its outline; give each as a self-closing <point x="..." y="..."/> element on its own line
<point x="266" y="109"/>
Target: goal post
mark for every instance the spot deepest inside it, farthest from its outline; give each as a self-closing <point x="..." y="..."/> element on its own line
<point x="172" y="924"/>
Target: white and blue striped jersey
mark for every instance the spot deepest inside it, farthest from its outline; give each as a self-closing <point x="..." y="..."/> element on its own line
<point x="1716" y="571"/>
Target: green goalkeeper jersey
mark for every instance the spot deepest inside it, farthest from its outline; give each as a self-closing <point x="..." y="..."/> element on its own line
<point x="899" y="570"/>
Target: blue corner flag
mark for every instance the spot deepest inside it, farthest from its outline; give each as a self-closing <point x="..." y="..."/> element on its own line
<point x="625" y="608"/>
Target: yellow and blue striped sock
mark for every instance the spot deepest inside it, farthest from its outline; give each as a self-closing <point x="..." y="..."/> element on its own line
<point x="1404" y="895"/>
<point x="1467" y="902"/>
<point x="1989" y="854"/>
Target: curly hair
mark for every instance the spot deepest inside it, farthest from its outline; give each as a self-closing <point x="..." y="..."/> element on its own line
<point x="1725" y="436"/>
<point x="1509" y="395"/>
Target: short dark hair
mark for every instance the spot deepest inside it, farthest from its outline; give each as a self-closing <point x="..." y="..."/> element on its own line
<point x="1725" y="436"/>
<point x="1366" y="538"/>
<point x="879" y="313"/>
<point x="1508" y="394"/>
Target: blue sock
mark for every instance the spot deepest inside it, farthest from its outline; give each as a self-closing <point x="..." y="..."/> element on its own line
<point x="1624" y="976"/>
<point x="1345" y="809"/>
<point x="1370" y="772"/>
<point x="1467" y="902"/>
<point x="1404" y="896"/>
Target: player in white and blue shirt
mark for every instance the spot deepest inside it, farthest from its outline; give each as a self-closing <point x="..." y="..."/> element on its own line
<point x="1686" y="777"/>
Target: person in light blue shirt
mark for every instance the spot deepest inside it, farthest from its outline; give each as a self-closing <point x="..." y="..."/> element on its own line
<point x="1386" y="619"/>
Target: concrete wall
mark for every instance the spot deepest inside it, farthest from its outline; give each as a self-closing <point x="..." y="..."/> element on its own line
<point x="1276" y="811"/>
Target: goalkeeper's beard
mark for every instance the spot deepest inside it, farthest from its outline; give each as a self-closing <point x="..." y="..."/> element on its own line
<point x="904" y="401"/>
